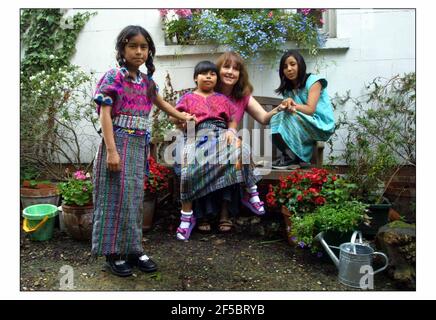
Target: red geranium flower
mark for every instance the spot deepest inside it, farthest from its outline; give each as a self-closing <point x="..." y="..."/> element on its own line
<point x="157" y="179"/>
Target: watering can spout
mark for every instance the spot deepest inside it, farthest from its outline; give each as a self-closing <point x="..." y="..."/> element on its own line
<point x="320" y="238"/>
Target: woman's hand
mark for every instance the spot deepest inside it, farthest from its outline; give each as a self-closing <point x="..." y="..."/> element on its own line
<point x="113" y="160"/>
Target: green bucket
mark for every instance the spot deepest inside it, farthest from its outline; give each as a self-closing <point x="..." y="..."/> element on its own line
<point x="39" y="221"/>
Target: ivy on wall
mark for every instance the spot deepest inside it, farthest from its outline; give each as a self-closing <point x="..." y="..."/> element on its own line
<point x="49" y="38"/>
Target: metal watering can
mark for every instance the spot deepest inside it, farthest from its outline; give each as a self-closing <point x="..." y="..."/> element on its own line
<point x="352" y="257"/>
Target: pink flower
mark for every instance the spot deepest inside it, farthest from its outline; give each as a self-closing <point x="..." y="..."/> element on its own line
<point x="321" y="21"/>
<point x="184" y="13"/>
<point x="305" y="11"/>
<point x="79" y="175"/>
<point x="163" y="12"/>
<point x="270" y="14"/>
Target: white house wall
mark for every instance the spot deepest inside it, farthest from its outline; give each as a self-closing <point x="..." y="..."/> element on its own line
<point x="381" y="43"/>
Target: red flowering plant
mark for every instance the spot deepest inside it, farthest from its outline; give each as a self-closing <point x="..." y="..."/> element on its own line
<point x="299" y="191"/>
<point x="157" y="179"/>
<point x="304" y="190"/>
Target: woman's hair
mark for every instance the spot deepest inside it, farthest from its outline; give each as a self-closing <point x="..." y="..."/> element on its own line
<point x="243" y="86"/>
<point x="285" y="83"/>
<point x="123" y="38"/>
<point x="205" y="66"/>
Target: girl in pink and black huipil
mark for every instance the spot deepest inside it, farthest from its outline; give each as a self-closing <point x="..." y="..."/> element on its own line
<point x="124" y="98"/>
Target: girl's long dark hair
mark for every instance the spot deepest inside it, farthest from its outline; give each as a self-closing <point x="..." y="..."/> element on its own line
<point x="285" y="83"/>
<point x="123" y="38"/>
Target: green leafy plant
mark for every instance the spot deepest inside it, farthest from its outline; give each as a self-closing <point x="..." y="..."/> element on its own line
<point x="161" y="123"/>
<point x="77" y="190"/>
<point x="340" y="217"/>
<point x="57" y="117"/>
<point x="382" y="137"/>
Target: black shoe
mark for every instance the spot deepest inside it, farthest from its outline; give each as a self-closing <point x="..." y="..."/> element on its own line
<point x="147" y="265"/>
<point x="118" y="267"/>
<point x="277" y="162"/>
<point x="285" y="163"/>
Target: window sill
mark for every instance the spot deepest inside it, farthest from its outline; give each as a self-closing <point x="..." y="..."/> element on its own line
<point x="176" y="50"/>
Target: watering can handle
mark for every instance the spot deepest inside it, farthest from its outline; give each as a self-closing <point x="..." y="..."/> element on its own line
<point x="354" y="236"/>
<point x="26" y="227"/>
<point x="386" y="261"/>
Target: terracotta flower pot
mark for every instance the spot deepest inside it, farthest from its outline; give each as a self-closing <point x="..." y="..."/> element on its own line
<point x="288" y="224"/>
<point x="78" y="221"/>
<point x="44" y="194"/>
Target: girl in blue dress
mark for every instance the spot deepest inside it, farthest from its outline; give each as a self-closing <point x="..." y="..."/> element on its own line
<point x="311" y="118"/>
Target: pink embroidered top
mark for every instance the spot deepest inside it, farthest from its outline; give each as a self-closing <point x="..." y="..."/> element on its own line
<point x="126" y="95"/>
<point x="216" y="106"/>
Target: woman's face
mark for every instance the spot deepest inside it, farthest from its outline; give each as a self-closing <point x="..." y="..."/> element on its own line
<point x="290" y="68"/>
<point x="206" y="81"/>
<point x="136" y="51"/>
<point x="229" y="73"/>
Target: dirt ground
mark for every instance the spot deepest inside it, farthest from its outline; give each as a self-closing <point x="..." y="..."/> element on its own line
<point x="254" y="257"/>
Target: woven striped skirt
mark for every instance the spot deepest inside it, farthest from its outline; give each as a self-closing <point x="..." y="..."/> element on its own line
<point x="299" y="133"/>
<point x="118" y="197"/>
<point x="210" y="164"/>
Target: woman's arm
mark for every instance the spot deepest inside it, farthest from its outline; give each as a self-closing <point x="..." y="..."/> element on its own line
<point x="312" y="100"/>
<point x="259" y="114"/>
<point x="166" y="107"/>
<point x="113" y="159"/>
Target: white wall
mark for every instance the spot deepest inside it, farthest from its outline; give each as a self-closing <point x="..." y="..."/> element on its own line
<point x="381" y="43"/>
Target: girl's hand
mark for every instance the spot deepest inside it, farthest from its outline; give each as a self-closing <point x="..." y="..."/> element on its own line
<point x="113" y="161"/>
<point x="189" y="117"/>
<point x="289" y="105"/>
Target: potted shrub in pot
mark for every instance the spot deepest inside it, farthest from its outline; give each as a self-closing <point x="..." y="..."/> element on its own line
<point x="77" y="206"/>
<point x="336" y="220"/>
<point x="380" y="140"/>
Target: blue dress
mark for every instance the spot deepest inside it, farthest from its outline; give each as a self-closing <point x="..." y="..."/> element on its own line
<point x="300" y="131"/>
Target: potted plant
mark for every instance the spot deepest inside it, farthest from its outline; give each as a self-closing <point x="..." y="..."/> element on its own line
<point x="155" y="183"/>
<point x="380" y="140"/>
<point x="336" y="220"/>
<point x="302" y="191"/>
<point x="77" y="205"/>
<point x="246" y="31"/>
<point x="36" y="191"/>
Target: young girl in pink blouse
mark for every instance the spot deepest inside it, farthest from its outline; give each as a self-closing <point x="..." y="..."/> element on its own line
<point x="212" y="160"/>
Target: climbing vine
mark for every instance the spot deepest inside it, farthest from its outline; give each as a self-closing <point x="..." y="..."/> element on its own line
<point x="49" y="38"/>
<point x="54" y="93"/>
